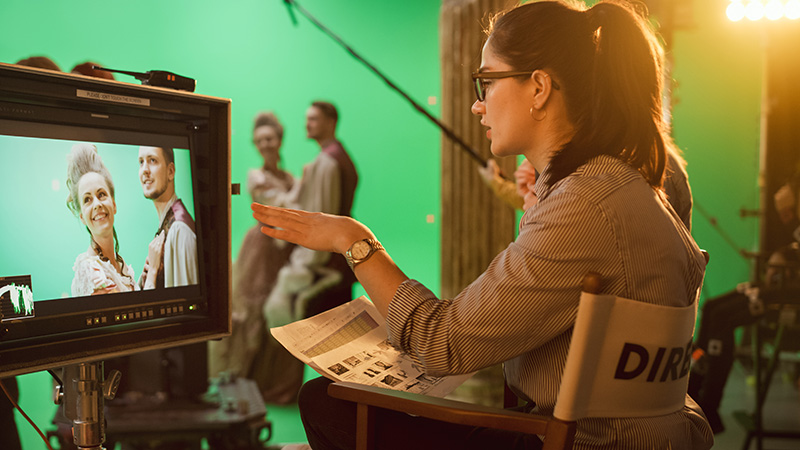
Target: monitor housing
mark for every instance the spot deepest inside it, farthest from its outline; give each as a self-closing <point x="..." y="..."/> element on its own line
<point x="44" y="113"/>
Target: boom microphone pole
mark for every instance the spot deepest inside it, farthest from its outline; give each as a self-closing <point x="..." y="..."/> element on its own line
<point x="447" y="131"/>
<point x="288" y="4"/>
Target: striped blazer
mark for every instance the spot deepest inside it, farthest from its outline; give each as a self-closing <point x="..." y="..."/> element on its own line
<point x="604" y="217"/>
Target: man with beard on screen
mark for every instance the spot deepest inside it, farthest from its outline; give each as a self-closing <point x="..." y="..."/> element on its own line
<point x="176" y="232"/>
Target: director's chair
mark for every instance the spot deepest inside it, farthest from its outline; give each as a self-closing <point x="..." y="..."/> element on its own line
<point x="603" y="376"/>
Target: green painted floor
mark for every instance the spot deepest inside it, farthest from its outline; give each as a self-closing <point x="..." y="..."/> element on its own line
<point x="286" y="425"/>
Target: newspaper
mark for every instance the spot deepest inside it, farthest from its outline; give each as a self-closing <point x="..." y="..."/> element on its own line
<point x="349" y="343"/>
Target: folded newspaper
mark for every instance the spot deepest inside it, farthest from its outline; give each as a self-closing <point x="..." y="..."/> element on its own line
<point x="350" y="343"/>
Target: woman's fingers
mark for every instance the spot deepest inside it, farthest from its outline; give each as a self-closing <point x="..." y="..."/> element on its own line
<point x="287" y="219"/>
<point x="313" y="230"/>
<point x="299" y="227"/>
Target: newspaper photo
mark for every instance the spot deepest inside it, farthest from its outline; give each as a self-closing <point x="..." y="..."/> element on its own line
<point x="350" y="343"/>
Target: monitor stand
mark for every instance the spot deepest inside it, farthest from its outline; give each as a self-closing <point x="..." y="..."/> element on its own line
<point x="83" y="392"/>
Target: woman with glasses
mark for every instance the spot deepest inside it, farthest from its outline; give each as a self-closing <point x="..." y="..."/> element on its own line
<point x="578" y="93"/>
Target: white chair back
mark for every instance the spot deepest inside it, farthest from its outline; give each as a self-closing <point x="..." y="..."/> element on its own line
<point x="626" y="359"/>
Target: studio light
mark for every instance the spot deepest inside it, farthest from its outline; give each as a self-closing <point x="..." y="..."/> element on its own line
<point x="735" y="11"/>
<point x="754" y="10"/>
<point x="759" y="9"/>
<point x="792" y="9"/>
<point x="774" y="10"/>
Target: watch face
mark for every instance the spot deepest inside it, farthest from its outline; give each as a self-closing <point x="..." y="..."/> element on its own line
<point x="360" y="250"/>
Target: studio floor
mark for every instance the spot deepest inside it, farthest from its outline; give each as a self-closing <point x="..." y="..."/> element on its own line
<point x="781" y="411"/>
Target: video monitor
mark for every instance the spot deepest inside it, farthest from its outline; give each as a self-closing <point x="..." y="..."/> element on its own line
<point x="99" y="177"/>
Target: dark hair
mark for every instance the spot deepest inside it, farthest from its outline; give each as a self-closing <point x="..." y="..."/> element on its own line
<point x="609" y="63"/>
<point x="327" y="109"/>
<point x="42" y="62"/>
<point x="268" y="119"/>
<point x="169" y="154"/>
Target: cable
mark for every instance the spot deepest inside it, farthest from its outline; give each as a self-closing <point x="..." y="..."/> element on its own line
<point x="725" y="236"/>
<point x="449" y="133"/>
<point x="13" y="402"/>
<point x="53" y="374"/>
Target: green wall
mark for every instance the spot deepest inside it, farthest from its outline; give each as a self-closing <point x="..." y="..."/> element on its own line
<point x="717" y="72"/>
<point x="249" y="51"/>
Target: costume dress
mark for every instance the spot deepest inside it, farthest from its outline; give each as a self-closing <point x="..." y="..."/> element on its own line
<point x="251" y="351"/>
<point x="92" y="273"/>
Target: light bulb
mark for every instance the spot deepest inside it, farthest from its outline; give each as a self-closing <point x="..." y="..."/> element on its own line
<point x="754" y="10"/>
<point x="792" y="9"/>
<point x="774" y="10"/>
<point x="735" y="11"/>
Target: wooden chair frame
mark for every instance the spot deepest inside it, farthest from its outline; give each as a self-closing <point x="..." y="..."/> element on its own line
<point x="557" y="434"/>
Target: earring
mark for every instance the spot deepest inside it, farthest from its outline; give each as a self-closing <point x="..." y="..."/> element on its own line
<point x="537" y="118"/>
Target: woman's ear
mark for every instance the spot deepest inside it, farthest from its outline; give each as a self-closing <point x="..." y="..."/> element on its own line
<point x="542" y="87"/>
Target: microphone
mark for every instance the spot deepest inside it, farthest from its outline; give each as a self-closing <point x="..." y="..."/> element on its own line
<point x="160" y="78"/>
<point x="288" y="4"/>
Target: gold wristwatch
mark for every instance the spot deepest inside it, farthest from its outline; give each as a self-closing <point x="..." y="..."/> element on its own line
<point x="361" y="250"/>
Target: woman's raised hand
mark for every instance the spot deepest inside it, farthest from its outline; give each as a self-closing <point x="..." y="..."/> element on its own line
<point x="315" y="231"/>
<point x="525" y="179"/>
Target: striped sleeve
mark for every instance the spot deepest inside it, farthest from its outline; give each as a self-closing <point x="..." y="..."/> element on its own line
<point x="526" y="297"/>
<point x="603" y="218"/>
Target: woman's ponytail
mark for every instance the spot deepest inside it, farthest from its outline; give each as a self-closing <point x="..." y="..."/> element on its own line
<point x="626" y="118"/>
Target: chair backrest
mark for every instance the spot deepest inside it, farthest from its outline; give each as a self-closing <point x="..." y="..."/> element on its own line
<point x="627" y="359"/>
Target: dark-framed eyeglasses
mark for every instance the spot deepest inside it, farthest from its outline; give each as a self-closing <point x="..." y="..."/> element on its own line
<point x="480" y="85"/>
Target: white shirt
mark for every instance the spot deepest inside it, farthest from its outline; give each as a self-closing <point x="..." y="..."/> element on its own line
<point x="180" y="252"/>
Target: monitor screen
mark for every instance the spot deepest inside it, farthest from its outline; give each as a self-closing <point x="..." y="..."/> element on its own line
<point x="100" y="177"/>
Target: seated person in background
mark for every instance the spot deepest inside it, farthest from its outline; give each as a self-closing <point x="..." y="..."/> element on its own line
<point x="251" y="351"/>
<point x="599" y="208"/>
<point x="722" y="315"/>
<point x="511" y="192"/>
<point x="519" y="194"/>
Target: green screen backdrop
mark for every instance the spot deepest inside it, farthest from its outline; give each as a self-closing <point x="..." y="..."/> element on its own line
<point x="251" y="52"/>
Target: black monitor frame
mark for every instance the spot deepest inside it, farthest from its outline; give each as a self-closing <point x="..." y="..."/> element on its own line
<point x="41" y="103"/>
